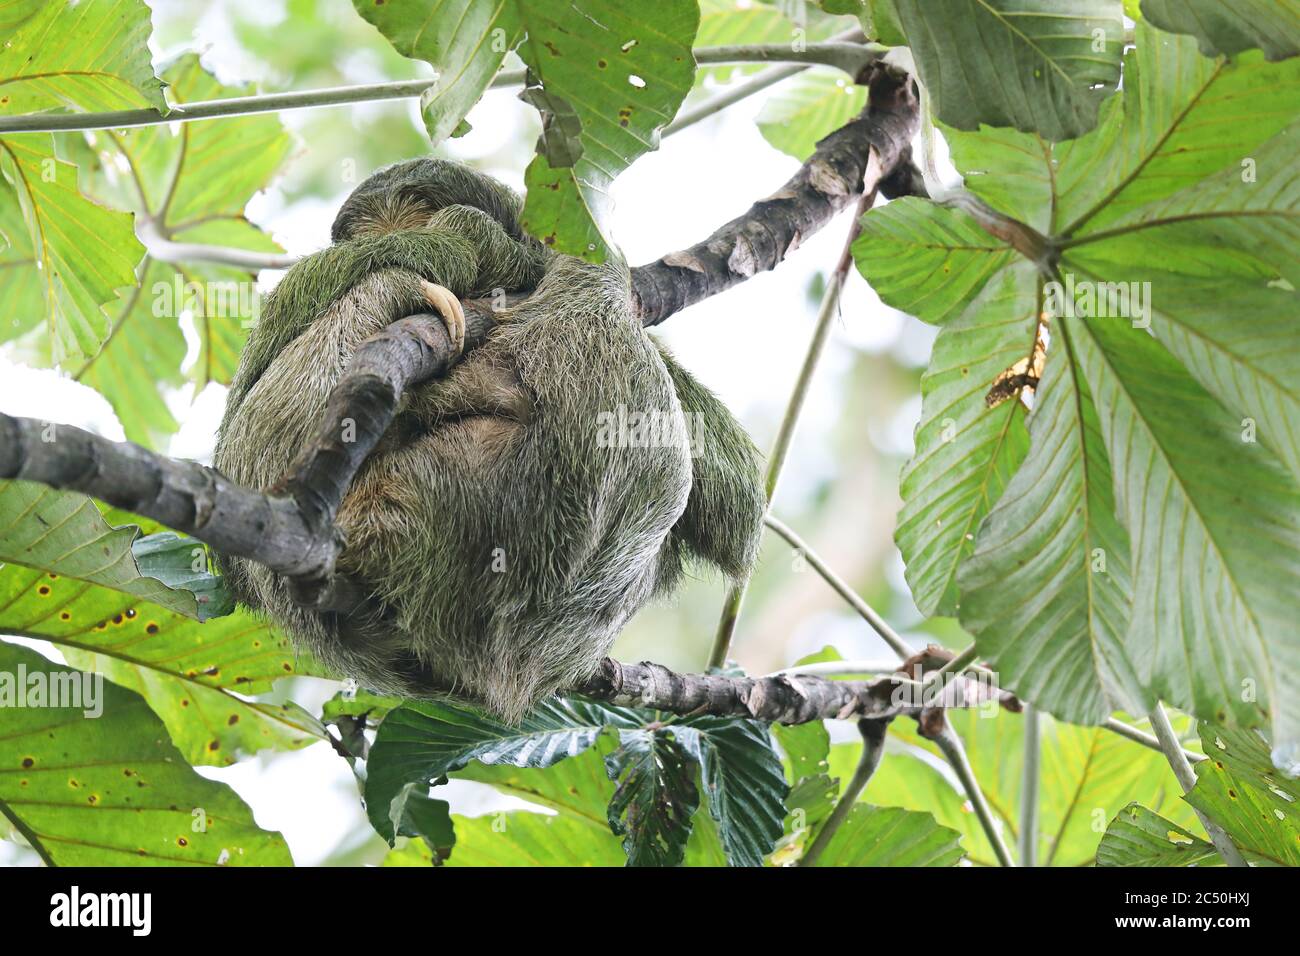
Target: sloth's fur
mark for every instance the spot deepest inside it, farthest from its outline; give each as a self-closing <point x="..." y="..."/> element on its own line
<point x="504" y="543"/>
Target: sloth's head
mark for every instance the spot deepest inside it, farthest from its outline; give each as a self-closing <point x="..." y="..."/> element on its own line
<point x="405" y="195"/>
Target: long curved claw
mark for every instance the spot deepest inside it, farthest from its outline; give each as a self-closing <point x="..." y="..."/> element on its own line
<point x="448" y="308"/>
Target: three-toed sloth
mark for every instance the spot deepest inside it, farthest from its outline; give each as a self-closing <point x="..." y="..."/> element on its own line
<point x="503" y="530"/>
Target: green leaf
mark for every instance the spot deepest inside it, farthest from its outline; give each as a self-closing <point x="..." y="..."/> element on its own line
<point x="63" y="532"/>
<point x="928" y="260"/>
<point x="887" y="836"/>
<point x="1239" y="789"/>
<point x="1087" y="776"/>
<point x="1037" y="65"/>
<point x="84" y="252"/>
<point x="193" y="182"/>
<point x="519" y="838"/>
<point x="1047" y="590"/>
<point x="804" y="110"/>
<point x="1271" y="25"/>
<point x="577" y="786"/>
<point x="1142" y="837"/>
<point x="743" y="781"/>
<point x="623" y="73"/>
<point x="466" y="41"/>
<point x="966" y="451"/>
<point x="112" y="790"/>
<point x="1164" y="133"/>
<point x="24" y="291"/>
<point x="422" y="741"/>
<point x="656" y="796"/>
<point x="610" y="76"/>
<point x="1215" y="530"/>
<point x="91" y="57"/>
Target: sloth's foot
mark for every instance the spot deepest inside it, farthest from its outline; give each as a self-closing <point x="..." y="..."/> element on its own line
<point x="449" y="310"/>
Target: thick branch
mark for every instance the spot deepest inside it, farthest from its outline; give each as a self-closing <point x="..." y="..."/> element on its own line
<point x="850" y="161"/>
<point x="781" y="698"/>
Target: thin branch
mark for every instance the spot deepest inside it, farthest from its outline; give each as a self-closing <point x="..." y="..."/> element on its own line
<point x="1182" y="768"/>
<point x="790" y="422"/>
<point x="878" y="623"/>
<point x="1028" y="836"/>
<point x="873" y="748"/>
<point x="840" y="668"/>
<point x="934" y="726"/>
<point x="1147" y="740"/>
<point x="850" y="57"/>
<point x="731" y="96"/>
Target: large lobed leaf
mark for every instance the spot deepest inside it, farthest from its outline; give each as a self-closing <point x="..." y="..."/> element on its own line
<point x="1174" y="456"/>
<point x="1036" y="65"/>
<point x="1230" y="27"/>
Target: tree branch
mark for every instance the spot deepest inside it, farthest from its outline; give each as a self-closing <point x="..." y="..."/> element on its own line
<point x="781" y="698"/>
<point x="849" y="162"/>
<point x="847" y="56"/>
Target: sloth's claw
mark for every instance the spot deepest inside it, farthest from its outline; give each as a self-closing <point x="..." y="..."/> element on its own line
<point x="449" y="310"/>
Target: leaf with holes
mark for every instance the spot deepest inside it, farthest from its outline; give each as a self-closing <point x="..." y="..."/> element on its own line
<point x="111" y="790"/>
<point x="1142" y="837"/>
<point x="656" y="796"/>
<point x="1240" y="790"/>
<point x="1037" y="65"/>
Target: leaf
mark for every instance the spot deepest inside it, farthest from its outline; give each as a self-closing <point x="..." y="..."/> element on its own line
<point x="804" y="110"/>
<point x="194" y="675"/>
<point x="1164" y="133"/>
<point x="656" y="796"/>
<point x="1141" y="837"/>
<point x="1215" y="529"/>
<point x="1271" y="25"/>
<point x="887" y="836"/>
<point x="83" y="252"/>
<point x="466" y="41"/>
<point x="519" y="838"/>
<point x="92" y="57"/>
<point x="192" y="182"/>
<point x="113" y="791"/>
<point x="577" y="786"/>
<point x="1047" y="590"/>
<point x="966" y="452"/>
<point x="928" y="260"/>
<point x="643" y="70"/>
<point x="24" y="292"/>
<point x="743" y="781"/>
<point x="1239" y="789"/>
<point x="610" y="75"/>
<point x="1037" y="65"/>
<point x="1159" y="224"/>
<point x="1087" y="776"/>
<point x="62" y="532"/>
<point x="422" y="741"/>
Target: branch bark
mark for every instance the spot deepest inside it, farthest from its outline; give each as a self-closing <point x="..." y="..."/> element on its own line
<point x="849" y="162"/>
<point x="787" y="698"/>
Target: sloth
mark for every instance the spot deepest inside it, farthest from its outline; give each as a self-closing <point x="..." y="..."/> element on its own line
<point x="511" y="520"/>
